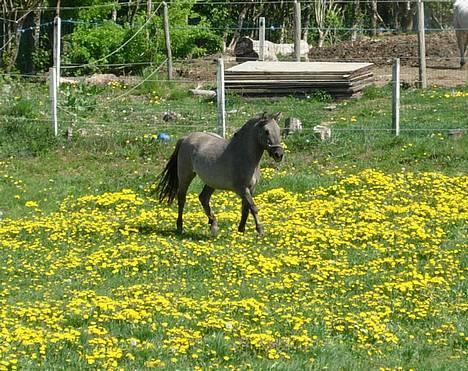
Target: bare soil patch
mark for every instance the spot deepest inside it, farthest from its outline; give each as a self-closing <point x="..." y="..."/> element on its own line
<point x="442" y="59"/>
<point x="441" y="50"/>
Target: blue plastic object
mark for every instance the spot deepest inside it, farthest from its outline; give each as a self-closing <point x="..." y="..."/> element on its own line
<point x="164" y="137"/>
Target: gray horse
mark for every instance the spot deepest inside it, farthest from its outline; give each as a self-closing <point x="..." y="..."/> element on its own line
<point x="229" y="165"/>
<point x="460" y="22"/>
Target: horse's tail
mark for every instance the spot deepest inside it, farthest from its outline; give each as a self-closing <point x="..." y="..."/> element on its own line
<point x="168" y="183"/>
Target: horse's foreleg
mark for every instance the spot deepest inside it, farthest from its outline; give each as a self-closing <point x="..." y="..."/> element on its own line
<point x="245" y="214"/>
<point x="204" y="198"/>
<point x="247" y="197"/>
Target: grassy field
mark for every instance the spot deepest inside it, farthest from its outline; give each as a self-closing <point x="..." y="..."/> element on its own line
<point x="362" y="266"/>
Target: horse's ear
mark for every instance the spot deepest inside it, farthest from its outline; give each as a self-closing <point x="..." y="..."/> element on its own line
<point x="264" y="116"/>
<point x="277" y="116"/>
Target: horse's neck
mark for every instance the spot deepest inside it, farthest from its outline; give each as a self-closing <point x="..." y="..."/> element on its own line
<point x="245" y="147"/>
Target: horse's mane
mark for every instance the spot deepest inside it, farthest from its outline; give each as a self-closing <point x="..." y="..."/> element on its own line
<point x="252" y="122"/>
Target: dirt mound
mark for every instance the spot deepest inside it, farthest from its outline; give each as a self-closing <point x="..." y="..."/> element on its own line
<point x="441" y="50"/>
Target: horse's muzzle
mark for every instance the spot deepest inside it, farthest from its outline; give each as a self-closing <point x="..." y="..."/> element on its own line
<point x="276" y="152"/>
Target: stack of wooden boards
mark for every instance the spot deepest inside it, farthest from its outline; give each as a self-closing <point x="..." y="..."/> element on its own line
<point x="340" y="80"/>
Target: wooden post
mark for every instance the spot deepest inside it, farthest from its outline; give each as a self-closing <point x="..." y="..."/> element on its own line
<point x="396" y="97"/>
<point x="168" y="41"/>
<point x="221" y="100"/>
<point x="57" y="47"/>
<point x="422" y="46"/>
<point x="149" y="12"/>
<point x="261" y="53"/>
<point x="53" y="98"/>
<point x="149" y="8"/>
<point x="297" y="30"/>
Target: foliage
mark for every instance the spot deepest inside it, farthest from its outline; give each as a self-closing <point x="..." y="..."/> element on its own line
<point x="21" y="131"/>
<point x="80" y="96"/>
<point x="91" y="44"/>
<point x="41" y="59"/>
<point x="158" y="87"/>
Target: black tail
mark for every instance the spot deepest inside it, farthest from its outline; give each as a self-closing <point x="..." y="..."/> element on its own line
<point x="168" y="183"/>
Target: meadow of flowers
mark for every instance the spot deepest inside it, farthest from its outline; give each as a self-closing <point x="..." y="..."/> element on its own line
<point x="367" y="272"/>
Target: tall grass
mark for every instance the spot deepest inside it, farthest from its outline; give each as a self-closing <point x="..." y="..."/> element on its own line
<point x="361" y="267"/>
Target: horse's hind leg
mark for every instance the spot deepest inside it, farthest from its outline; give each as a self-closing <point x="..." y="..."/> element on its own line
<point x="181" y="197"/>
<point x="204" y="198"/>
<point x="462" y="41"/>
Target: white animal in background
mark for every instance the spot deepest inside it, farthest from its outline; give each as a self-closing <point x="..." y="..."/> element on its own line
<point x="460" y="23"/>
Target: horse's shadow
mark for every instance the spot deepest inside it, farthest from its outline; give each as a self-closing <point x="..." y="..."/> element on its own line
<point x="165" y="232"/>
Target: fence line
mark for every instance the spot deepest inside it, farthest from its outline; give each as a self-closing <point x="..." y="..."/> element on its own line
<point x="221" y="2"/>
<point x="169" y="105"/>
<point x="102" y="124"/>
<point x="127" y="92"/>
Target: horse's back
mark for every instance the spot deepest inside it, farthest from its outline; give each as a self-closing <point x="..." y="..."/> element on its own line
<point x="207" y="145"/>
<point x="460" y="14"/>
<point x="205" y="154"/>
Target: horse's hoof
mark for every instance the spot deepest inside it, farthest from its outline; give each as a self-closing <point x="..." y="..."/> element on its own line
<point x="241" y="229"/>
<point x="260" y="230"/>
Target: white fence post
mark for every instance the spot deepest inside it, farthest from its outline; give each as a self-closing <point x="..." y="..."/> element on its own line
<point x="167" y="37"/>
<point x="422" y="46"/>
<point x="297" y="30"/>
<point x="57" y="47"/>
<point x="396" y="97"/>
<point x="221" y="99"/>
<point x="53" y="98"/>
<point x="261" y="55"/>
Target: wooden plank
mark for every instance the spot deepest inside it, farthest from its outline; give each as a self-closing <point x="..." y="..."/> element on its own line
<point x="318" y="79"/>
<point x="280" y="83"/>
<point x="292" y="89"/>
<point x="293" y="67"/>
<point x="292" y="78"/>
<point x="243" y="89"/>
<point x="287" y="73"/>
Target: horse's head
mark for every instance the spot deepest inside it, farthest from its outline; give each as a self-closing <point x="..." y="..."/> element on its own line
<point x="269" y="135"/>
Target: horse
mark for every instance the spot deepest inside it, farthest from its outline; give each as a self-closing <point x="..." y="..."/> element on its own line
<point x="221" y="164"/>
<point x="460" y="23"/>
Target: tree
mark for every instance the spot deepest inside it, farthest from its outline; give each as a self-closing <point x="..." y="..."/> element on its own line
<point x="14" y="15"/>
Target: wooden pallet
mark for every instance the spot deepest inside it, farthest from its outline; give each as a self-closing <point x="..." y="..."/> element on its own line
<point x="341" y="80"/>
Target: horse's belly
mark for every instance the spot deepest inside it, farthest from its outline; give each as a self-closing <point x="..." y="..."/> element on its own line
<point x="215" y="175"/>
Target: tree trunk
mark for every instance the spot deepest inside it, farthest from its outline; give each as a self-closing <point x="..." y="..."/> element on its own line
<point x="408" y="13"/>
<point x="357" y="20"/>
<point x="37" y="28"/>
<point x="240" y="23"/>
<point x="308" y="14"/>
<point x="321" y="39"/>
<point x="37" y="33"/>
<point x="375" y="16"/>
<point x="283" y="32"/>
<point x="12" y="25"/>
<point x="3" y="36"/>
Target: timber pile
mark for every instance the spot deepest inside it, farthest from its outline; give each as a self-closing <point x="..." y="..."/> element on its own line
<point x="340" y="80"/>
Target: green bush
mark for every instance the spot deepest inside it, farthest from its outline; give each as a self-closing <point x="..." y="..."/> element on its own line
<point x="140" y="41"/>
<point x="94" y="44"/>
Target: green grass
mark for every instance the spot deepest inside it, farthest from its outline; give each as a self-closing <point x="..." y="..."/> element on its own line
<point x="75" y="257"/>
